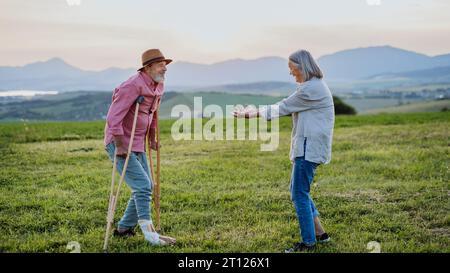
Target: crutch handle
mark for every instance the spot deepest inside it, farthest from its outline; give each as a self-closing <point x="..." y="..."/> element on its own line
<point x="140" y="99"/>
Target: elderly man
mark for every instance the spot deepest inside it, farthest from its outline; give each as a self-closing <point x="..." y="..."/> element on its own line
<point x="149" y="83"/>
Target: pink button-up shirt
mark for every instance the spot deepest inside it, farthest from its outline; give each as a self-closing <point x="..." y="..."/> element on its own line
<point x="119" y="121"/>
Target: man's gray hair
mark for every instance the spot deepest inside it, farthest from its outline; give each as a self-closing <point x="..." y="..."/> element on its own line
<point x="307" y="65"/>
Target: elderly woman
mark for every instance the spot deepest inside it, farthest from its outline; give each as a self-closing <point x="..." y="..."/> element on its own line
<point x="312" y="110"/>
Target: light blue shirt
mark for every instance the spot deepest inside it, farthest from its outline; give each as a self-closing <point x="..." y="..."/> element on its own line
<point x="312" y="110"/>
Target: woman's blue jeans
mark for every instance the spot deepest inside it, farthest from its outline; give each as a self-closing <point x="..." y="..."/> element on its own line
<point x="138" y="178"/>
<point x="301" y="179"/>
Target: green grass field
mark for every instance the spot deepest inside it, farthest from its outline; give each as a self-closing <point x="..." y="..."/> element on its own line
<point x="388" y="181"/>
<point x="424" y="106"/>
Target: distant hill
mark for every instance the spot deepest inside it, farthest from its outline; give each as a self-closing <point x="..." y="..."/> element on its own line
<point x="442" y="60"/>
<point x="436" y="75"/>
<point x="347" y="65"/>
<point x="259" y="88"/>
<point x="84" y="105"/>
<point x="427" y="106"/>
<point x="55" y="74"/>
<point x="365" y="62"/>
<point x="229" y="72"/>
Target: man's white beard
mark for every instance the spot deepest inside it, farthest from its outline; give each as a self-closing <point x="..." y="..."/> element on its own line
<point x="158" y="78"/>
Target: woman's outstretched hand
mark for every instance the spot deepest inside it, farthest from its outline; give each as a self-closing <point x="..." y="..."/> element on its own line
<point x="247" y="112"/>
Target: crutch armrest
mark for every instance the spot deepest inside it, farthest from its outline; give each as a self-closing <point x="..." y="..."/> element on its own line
<point x="140" y="99"/>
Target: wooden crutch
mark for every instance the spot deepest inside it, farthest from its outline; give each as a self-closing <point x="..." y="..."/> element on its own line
<point x="114" y="196"/>
<point x="158" y="173"/>
<point x="157" y="190"/>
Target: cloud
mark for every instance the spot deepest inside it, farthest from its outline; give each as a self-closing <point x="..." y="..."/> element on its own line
<point x="320" y="40"/>
<point x="98" y="34"/>
<point x="85" y="45"/>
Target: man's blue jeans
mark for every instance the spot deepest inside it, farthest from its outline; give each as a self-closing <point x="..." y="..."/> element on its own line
<point x="138" y="179"/>
<point x="301" y="179"/>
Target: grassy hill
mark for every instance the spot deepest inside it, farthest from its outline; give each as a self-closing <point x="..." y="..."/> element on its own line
<point x="256" y="88"/>
<point x="85" y="106"/>
<point x="428" y="106"/>
<point x="387" y="182"/>
<point x="218" y="98"/>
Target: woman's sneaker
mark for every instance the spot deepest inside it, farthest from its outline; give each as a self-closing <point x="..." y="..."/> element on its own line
<point x="299" y="247"/>
<point x="324" y="238"/>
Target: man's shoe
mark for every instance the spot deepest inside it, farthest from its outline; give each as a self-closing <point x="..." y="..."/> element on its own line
<point x="124" y="233"/>
<point x="324" y="238"/>
<point x="299" y="247"/>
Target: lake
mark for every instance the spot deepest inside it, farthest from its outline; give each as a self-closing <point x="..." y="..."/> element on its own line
<point x="25" y="93"/>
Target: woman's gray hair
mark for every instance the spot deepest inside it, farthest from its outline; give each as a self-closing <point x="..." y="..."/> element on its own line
<point x="307" y="65"/>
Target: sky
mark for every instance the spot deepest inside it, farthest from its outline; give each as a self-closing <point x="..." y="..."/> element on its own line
<point x="98" y="34"/>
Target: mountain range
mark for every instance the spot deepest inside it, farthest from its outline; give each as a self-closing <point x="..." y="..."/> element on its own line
<point x="380" y="62"/>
